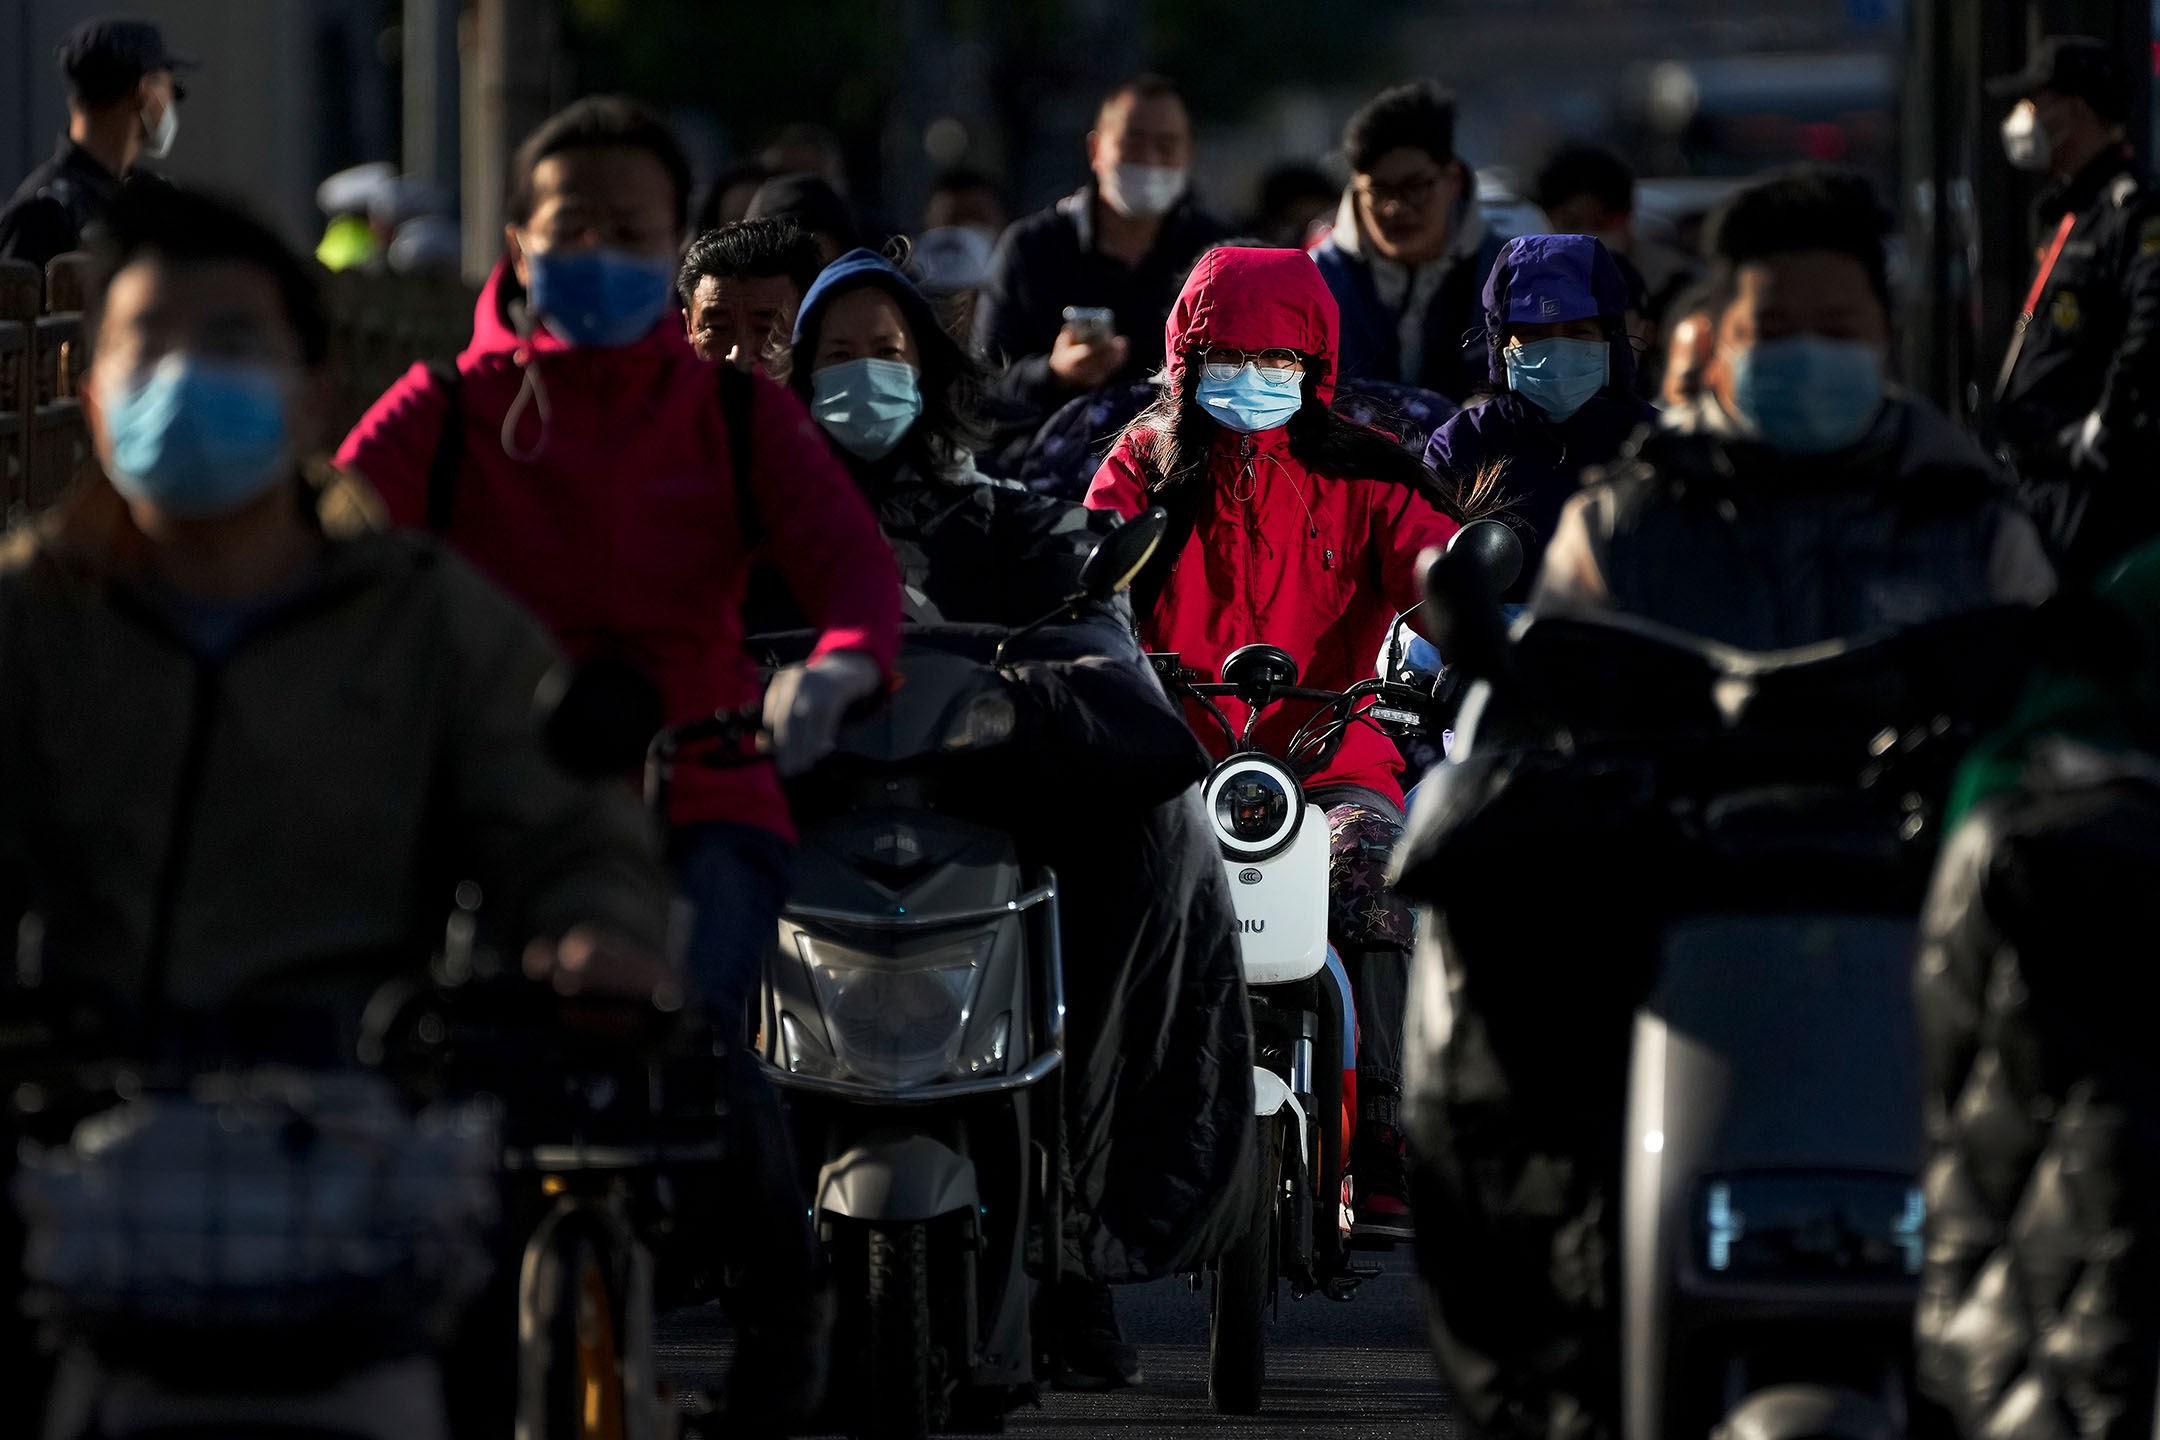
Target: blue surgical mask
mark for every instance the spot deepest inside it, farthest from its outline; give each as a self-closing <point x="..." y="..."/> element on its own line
<point x="199" y="438"/>
<point x="1559" y="375"/>
<point x="1247" y="402"/>
<point x="600" y="297"/>
<point x="867" y="406"/>
<point x="1808" y="394"/>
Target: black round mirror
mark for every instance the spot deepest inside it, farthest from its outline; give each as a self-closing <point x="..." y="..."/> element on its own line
<point x="1259" y="670"/>
<point x="1494" y="547"/>
<point x="1119" y="555"/>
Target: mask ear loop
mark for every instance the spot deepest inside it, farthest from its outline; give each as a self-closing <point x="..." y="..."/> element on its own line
<point x="532" y="390"/>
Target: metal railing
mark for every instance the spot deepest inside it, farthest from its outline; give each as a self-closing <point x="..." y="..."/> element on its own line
<point x="42" y="440"/>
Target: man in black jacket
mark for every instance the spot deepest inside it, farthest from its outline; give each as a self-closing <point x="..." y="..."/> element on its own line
<point x="2075" y="403"/>
<point x="1121" y="242"/>
<point x="123" y="102"/>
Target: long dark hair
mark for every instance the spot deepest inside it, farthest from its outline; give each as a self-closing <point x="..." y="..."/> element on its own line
<point x="951" y="382"/>
<point x="1173" y="436"/>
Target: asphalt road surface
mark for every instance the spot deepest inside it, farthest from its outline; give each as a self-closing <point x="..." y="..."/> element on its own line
<point x="1358" y="1369"/>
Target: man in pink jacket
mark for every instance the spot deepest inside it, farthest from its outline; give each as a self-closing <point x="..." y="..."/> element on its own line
<point x="583" y="457"/>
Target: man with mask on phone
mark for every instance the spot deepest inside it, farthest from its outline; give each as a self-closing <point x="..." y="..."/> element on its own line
<point x="123" y="105"/>
<point x="1800" y="497"/>
<point x="1121" y="242"/>
<point x="2081" y="377"/>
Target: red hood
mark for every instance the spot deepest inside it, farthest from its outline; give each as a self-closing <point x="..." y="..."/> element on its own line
<point x="494" y="334"/>
<point x="1253" y="299"/>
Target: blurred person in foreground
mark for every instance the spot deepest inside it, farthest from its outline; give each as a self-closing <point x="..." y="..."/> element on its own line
<point x="216" y="649"/>
<point x="1801" y="497"/>
<point x="1560" y="388"/>
<point x="1121" y="242"/>
<point x="124" y="97"/>
<point x="1800" y="500"/>
<point x="1157" y="1107"/>
<point x="1409" y="253"/>
<point x="582" y="455"/>
<point x="2078" y="401"/>
<point x="739" y="286"/>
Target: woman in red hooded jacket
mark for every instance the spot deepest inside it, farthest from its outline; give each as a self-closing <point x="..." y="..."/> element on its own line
<point x="1291" y="526"/>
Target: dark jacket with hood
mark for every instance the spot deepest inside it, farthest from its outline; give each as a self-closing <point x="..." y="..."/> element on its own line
<point x="1159" y="1062"/>
<point x="1702" y="529"/>
<point x="1049" y="260"/>
<point x="1543" y="279"/>
<point x="1438" y="301"/>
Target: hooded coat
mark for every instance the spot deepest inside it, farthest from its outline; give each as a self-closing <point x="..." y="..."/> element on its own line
<point x="1445" y="344"/>
<point x="1280" y="554"/>
<point x="1543" y="279"/>
<point x="597" y="487"/>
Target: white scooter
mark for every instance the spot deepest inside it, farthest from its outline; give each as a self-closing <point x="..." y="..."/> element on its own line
<point x="1275" y="847"/>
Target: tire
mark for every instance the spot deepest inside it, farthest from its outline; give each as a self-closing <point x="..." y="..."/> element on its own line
<point x="571" y="1376"/>
<point x="1244" y="1286"/>
<point x="906" y="1393"/>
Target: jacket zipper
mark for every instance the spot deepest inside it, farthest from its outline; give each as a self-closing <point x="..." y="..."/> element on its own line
<point x="187" y="800"/>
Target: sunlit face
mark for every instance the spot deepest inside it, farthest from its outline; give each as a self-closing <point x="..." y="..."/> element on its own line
<point x="1407" y="203"/>
<point x="619" y="197"/>
<point x="1136" y="131"/>
<point x="1523" y="333"/>
<point x="865" y="324"/>
<point x="743" y="320"/>
<point x="1686" y="358"/>
<point x="1805" y="292"/>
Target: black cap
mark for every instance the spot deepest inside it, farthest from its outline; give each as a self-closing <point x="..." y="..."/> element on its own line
<point x="2071" y="65"/>
<point x="104" y="58"/>
<point x="810" y="201"/>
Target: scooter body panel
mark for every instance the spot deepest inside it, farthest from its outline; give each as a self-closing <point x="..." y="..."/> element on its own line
<point x="1282" y="906"/>
<point x="1773" y="1145"/>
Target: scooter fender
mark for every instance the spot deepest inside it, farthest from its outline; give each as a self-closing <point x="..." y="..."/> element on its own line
<point x="1272" y="1095"/>
<point x="897" y="1177"/>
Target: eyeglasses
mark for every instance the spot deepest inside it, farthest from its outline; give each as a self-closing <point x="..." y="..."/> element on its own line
<point x="1410" y="194"/>
<point x="1276" y="367"/>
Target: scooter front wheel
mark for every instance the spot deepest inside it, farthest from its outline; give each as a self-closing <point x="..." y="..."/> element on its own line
<point x="907" y="1398"/>
<point x="1244" y="1287"/>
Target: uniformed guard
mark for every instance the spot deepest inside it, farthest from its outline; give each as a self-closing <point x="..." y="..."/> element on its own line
<point x="123" y="104"/>
<point x="2075" y="401"/>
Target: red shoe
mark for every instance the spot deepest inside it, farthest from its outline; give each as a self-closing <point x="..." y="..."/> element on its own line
<point x="1382" y="1217"/>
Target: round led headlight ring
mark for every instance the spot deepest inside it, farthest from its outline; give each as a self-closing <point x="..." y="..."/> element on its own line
<point x="1255" y="805"/>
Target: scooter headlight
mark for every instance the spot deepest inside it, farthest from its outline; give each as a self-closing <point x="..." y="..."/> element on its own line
<point x="1810" y="1225"/>
<point x="895" y="1020"/>
<point x="1255" y="804"/>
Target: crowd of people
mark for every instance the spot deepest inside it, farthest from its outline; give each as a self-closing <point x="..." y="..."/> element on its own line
<point x="265" y="710"/>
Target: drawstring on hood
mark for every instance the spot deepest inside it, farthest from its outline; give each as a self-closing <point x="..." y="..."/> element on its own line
<point x="533" y="390"/>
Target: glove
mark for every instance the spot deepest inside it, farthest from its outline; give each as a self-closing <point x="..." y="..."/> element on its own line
<point x="804" y="705"/>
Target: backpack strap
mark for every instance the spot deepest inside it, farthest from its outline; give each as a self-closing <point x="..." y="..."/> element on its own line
<point x="449" y="456"/>
<point x="736" y="389"/>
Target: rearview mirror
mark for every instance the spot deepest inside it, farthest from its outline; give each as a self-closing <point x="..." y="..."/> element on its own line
<point x="1120" y="555"/>
<point x="1494" y="547"/>
<point x="1461" y="613"/>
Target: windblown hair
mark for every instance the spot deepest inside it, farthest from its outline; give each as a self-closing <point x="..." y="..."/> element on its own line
<point x="951" y="381"/>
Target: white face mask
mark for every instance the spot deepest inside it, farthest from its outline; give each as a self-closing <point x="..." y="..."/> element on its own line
<point x="158" y="138"/>
<point x="2025" y="142"/>
<point x="1143" y="192"/>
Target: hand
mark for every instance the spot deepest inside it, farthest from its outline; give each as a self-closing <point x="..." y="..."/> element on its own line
<point x="804" y="705"/>
<point x="2083" y="444"/>
<point x="585" y="964"/>
<point x="1084" y="364"/>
